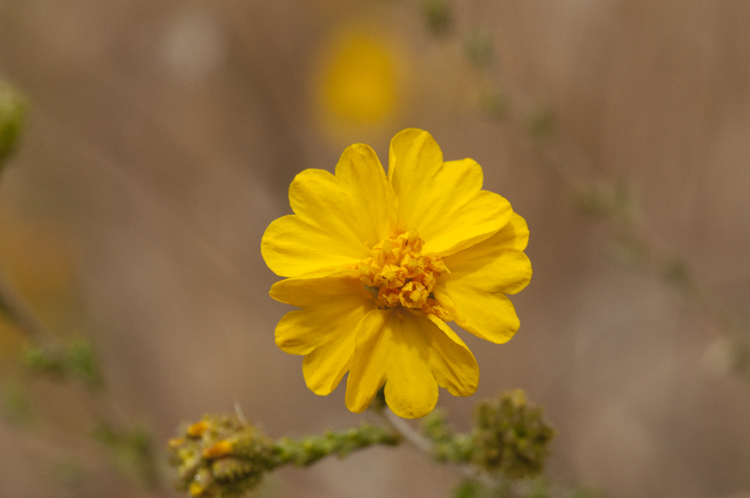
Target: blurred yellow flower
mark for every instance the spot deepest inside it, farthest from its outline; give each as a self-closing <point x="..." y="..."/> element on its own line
<point x="379" y="264"/>
<point x="359" y="81"/>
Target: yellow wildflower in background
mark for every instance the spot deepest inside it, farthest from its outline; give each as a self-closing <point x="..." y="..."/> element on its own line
<point x="379" y="265"/>
<point x="359" y="80"/>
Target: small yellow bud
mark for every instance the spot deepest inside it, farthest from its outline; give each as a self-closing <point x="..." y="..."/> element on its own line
<point x="175" y="442"/>
<point x="196" y="489"/>
<point x="218" y="450"/>
<point x="197" y="429"/>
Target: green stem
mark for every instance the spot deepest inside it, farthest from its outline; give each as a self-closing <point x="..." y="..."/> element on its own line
<point x="400" y="426"/>
<point x="305" y="452"/>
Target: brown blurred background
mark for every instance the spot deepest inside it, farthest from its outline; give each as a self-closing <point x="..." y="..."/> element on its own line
<point x="161" y="141"/>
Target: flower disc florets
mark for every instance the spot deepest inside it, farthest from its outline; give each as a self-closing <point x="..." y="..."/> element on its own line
<point x="398" y="274"/>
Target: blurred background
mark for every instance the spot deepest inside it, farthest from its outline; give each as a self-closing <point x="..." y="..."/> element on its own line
<point x="161" y="140"/>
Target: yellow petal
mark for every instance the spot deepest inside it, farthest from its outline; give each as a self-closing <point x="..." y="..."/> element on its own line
<point x="302" y="331"/>
<point x="412" y="354"/>
<point x="489" y="266"/>
<point x="453" y="365"/>
<point x="443" y="202"/>
<point x="514" y="235"/>
<point x="370" y="360"/>
<point x="316" y="287"/>
<point x="473" y="292"/>
<point x="326" y="365"/>
<point x="411" y="390"/>
<point x="324" y="330"/>
<point x="337" y="218"/>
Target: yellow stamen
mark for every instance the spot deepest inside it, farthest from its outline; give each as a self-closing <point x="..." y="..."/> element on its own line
<point x="218" y="450"/>
<point x="435" y="308"/>
<point x="399" y="275"/>
<point x="390" y="276"/>
<point x="413" y="295"/>
<point x="388" y="298"/>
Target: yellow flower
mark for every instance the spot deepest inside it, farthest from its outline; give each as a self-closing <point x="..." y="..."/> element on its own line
<point x="359" y="81"/>
<point x="379" y="264"/>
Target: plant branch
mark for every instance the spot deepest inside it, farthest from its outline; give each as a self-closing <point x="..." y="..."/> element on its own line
<point x="400" y="426"/>
<point x="21" y="314"/>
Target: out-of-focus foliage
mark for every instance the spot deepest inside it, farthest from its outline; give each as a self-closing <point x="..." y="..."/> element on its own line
<point x="471" y="487"/>
<point x="132" y="451"/>
<point x="12" y="115"/>
<point x="438" y="16"/>
<point x="75" y="360"/>
<point x="15" y="405"/>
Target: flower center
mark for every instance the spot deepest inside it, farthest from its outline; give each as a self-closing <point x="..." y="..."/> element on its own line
<point x="399" y="274"/>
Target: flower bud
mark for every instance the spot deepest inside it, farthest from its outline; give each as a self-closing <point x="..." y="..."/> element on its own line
<point x="510" y="436"/>
<point x="221" y="456"/>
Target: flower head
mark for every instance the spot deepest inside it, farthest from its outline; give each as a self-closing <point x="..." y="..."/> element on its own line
<point x="380" y="264"/>
<point x="360" y="80"/>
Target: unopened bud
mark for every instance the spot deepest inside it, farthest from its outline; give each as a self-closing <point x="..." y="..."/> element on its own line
<point x="221" y="456"/>
<point x="511" y="436"/>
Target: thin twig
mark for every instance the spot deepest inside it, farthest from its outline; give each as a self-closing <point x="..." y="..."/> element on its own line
<point x="23" y="316"/>
<point x="100" y="405"/>
<point x="426" y="446"/>
<point x="400" y="426"/>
